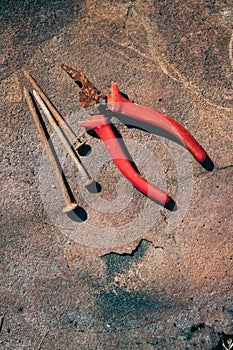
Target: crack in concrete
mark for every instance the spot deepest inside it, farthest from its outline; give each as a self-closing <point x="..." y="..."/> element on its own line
<point x="136" y="250"/>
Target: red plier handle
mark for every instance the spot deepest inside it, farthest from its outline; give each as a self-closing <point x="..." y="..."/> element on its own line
<point x="117" y="103"/>
<point x="100" y="124"/>
<point x="120" y="105"/>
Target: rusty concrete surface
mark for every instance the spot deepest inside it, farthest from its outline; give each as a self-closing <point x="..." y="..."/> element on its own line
<point x="64" y="287"/>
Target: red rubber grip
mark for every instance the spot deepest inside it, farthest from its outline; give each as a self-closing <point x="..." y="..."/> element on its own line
<point x="117" y="103"/>
<point x="104" y="130"/>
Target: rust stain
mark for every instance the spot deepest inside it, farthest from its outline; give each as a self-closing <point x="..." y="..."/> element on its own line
<point x="89" y="94"/>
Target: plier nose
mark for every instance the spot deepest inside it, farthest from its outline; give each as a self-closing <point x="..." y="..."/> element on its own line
<point x="144" y="115"/>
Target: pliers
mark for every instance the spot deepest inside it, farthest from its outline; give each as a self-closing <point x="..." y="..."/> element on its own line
<point x="143" y="116"/>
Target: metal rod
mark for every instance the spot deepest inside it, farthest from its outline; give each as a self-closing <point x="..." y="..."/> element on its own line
<point x="62" y="137"/>
<point x="73" y="137"/>
<point x="70" y="205"/>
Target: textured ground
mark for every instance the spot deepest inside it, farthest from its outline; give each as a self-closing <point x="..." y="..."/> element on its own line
<point x="64" y="284"/>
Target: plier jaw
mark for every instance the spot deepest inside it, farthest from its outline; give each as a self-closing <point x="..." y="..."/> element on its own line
<point x="89" y="94"/>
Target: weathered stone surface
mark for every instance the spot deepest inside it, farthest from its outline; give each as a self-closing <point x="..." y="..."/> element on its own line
<point x="61" y="288"/>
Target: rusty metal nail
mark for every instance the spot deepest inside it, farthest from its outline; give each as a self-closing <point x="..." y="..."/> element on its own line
<point x="73" y="137"/>
<point x="70" y="206"/>
<point x="88" y="180"/>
